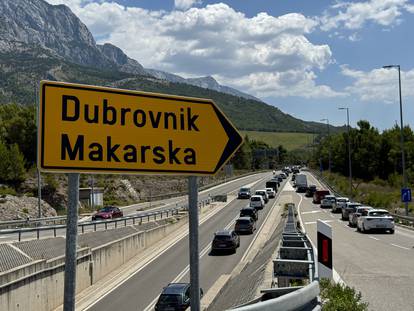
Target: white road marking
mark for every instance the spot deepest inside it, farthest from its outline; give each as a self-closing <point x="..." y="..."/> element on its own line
<point x="374" y="238"/>
<point x="399" y="246"/>
<point x="311" y="212"/>
<point x="314" y="222"/>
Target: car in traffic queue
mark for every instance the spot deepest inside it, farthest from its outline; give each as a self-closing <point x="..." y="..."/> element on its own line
<point x="349" y="208"/>
<point x="328" y="201"/>
<point x="271" y="193"/>
<point x="244" y="193"/>
<point x="273" y="183"/>
<point x="283" y="175"/>
<point x="257" y="202"/>
<point x="375" y="219"/>
<point x="108" y="212"/>
<point x="353" y="217"/>
<point x="175" y="297"/>
<point x="319" y="195"/>
<point x="225" y="240"/>
<point x="245" y="225"/>
<point x="310" y="191"/>
<point x="249" y="212"/>
<point x="340" y="204"/>
<point x="279" y="178"/>
<point x="264" y="194"/>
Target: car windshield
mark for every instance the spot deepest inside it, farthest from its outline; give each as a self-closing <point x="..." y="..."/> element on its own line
<point x="106" y="209"/>
<point x="169" y="298"/>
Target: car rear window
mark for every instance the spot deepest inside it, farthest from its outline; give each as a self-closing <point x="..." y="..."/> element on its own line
<point x="246" y="211"/>
<point x="380" y="213"/>
<point x="222" y="237"/>
<point x="244" y="190"/>
<point x="255" y="199"/>
<point x="243" y="222"/>
<point x="169" y="298"/>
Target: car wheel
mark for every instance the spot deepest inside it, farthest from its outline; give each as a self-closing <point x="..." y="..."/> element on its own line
<point x="343" y="217"/>
<point x="392" y="231"/>
<point x="363" y="228"/>
<point x="358" y="229"/>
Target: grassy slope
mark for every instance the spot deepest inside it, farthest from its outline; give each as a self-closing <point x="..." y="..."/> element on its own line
<point x="290" y="141"/>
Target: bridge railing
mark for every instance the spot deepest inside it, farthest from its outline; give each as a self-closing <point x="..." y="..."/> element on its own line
<point x="104" y="224"/>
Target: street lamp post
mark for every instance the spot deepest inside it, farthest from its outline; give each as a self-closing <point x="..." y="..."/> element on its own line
<point x="405" y="182"/>
<point x="329" y="144"/>
<point x="349" y="149"/>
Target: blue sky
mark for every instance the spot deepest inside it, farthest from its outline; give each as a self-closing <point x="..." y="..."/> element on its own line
<point x="306" y="57"/>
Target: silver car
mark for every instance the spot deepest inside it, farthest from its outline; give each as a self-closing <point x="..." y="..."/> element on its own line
<point x="353" y="217"/>
<point x="328" y="201"/>
<point x="349" y="208"/>
<point x="339" y="204"/>
<point x="379" y="219"/>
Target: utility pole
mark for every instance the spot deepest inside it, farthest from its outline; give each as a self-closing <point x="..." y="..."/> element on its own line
<point x="349" y="150"/>
<point x="329" y="144"/>
<point x="405" y="179"/>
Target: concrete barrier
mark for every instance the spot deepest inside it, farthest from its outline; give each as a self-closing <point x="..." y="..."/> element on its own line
<point x="39" y="284"/>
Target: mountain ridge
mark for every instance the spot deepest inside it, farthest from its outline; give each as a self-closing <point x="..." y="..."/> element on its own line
<point x="42" y="41"/>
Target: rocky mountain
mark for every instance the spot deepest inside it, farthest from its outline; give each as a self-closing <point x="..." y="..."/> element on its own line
<point x="57" y="29"/>
<point x="42" y="41"/>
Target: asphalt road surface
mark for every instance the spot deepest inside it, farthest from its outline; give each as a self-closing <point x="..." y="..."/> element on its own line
<point x="380" y="265"/>
<point x="141" y="291"/>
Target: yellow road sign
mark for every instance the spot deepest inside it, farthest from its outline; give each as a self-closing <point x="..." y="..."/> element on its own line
<point x="104" y="130"/>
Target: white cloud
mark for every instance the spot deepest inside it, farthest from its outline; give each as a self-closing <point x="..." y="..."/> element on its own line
<point x="185" y="4"/>
<point x="281" y="84"/>
<point x="379" y="84"/>
<point x="354" y="15"/>
<point x="219" y="41"/>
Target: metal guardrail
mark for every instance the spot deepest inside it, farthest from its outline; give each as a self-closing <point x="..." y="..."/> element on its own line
<point x="60" y="219"/>
<point x="408" y="220"/>
<point x="30" y="221"/>
<point x="95" y="225"/>
<point x="295" y="263"/>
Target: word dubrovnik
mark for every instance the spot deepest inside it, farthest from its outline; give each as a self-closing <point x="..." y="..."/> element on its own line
<point x="109" y="115"/>
<point x="81" y="149"/>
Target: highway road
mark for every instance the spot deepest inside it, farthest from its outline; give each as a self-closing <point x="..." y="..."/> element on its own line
<point x="141" y="291"/>
<point x="229" y="187"/>
<point x="380" y="265"/>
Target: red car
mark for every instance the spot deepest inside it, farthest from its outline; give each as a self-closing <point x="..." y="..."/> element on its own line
<point x="319" y="195"/>
<point x="108" y="212"/>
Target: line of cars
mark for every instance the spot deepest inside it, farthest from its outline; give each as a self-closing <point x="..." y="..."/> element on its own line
<point x="229" y="240"/>
<point x="364" y="218"/>
<point x="176" y="296"/>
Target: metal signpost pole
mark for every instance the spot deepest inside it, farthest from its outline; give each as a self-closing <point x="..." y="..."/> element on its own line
<point x="71" y="243"/>
<point x="193" y="238"/>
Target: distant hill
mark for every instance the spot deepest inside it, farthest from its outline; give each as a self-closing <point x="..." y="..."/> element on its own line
<point x="41" y="41"/>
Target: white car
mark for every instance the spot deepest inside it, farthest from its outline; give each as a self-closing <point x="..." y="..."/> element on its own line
<point x="270" y="192"/>
<point x="378" y="219"/>
<point x="328" y="201"/>
<point x="263" y="193"/>
<point x="340" y="204"/>
<point x="257" y="202"/>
